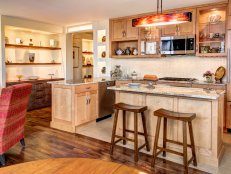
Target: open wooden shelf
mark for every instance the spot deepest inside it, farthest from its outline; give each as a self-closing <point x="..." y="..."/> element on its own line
<point x="33" y="63"/>
<point x="87" y="66"/>
<point x="87" y="52"/>
<point x="31" y="47"/>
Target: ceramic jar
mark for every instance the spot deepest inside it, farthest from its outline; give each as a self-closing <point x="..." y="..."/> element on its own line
<point x="135" y="51"/>
<point x="119" y="52"/>
<point x="134" y="75"/>
<point x="128" y="51"/>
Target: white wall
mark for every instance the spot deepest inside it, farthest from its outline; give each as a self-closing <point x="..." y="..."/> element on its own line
<point x="177" y="66"/>
<point x="42" y="71"/>
<point x="2" y="54"/>
<point x="105" y="62"/>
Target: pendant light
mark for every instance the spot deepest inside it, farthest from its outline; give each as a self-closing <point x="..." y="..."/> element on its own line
<point x="160" y="19"/>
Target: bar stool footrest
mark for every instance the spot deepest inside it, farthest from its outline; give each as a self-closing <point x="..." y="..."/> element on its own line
<point x="170" y="151"/>
<point x="123" y="138"/>
<point x="141" y="147"/>
<point x="131" y="131"/>
<point x="178" y="143"/>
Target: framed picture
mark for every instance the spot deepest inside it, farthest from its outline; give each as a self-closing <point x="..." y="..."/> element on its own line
<point x="150" y="48"/>
<point x="75" y="57"/>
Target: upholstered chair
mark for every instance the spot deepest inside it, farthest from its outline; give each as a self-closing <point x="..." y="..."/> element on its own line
<point x="13" y="107"/>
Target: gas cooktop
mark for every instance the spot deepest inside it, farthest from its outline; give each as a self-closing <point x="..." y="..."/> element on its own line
<point x="178" y="79"/>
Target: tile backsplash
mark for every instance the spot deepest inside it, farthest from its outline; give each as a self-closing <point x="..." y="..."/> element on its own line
<point x="175" y="66"/>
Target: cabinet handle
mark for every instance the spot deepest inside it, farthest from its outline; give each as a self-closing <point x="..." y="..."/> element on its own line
<point x="124" y="33"/>
<point x="88" y="88"/>
<point x="196" y="47"/>
<point x="89" y="100"/>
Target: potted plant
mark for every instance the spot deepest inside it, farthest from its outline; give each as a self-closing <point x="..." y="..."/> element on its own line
<point x="209" y="76"/>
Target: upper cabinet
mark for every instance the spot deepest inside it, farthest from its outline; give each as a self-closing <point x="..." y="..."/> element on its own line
<point x="121" y="29"/>
<point x="208" y="25"/>
<point x="180" y="29"/>
<point x="211" y="31"/>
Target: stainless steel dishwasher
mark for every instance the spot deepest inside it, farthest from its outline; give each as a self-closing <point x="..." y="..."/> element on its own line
<point x="106" y="100"/>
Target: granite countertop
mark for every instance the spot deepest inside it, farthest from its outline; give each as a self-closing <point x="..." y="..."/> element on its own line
<point x="173" y="91"/>
<point x="96" y="80"/>
<point x="200" y="82"/>
<point x="81" y="82"/>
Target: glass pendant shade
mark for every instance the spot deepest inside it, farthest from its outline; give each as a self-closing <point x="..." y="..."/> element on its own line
<point x="162" y="19"/>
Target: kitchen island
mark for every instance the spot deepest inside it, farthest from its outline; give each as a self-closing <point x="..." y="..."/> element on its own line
<point x="77" y="102"/>
<point x="208" y="125"/>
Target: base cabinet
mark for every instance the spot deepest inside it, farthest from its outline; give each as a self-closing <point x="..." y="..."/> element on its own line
<point x="85" y="107"/>
<point x="228" y="115"/>
<point x="73" y="106"/>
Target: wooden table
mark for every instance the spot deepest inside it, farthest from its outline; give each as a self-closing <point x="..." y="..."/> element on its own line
<point x="69" y="166"/>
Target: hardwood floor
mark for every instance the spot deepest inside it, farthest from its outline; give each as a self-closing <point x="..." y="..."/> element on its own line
<point x="42" y="142"/>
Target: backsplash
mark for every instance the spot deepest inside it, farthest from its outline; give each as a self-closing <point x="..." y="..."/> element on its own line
<point x="175" y="66"/>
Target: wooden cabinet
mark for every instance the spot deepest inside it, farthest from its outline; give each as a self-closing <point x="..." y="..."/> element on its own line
<point x="118" y="29"/>
<point x="229" y="8"/>
<point x="62" y="108"/>
<point x="170" y="30"/>
<point x="41" y="93"/>
<point x="181" y="29"/>
<point x="121" y="29"/>
<point x="85" y="107"/>
<point x="86" y="103"/>
<point x="132" y="33"/>
<point x="73" y="105"/>
<point x="228" y="115"/>
<point x="211" y="31"/>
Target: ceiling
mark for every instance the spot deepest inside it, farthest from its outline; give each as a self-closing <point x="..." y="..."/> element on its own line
<point x="71" y="12"/>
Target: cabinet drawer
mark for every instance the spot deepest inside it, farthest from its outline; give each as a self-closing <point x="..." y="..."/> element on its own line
<point x="86" y="88"/>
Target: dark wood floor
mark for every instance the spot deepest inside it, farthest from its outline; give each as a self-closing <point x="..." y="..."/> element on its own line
<point x="42" y="142"/>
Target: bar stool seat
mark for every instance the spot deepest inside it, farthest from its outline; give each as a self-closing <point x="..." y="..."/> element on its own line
<point x="130" y="108"/>
<point x="175" y="115"/>
<point x="136" y="110"/>
<point x="185" y="118"/>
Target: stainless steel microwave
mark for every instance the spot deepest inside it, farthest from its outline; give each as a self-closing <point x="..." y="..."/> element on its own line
<point x="178" y="45"/>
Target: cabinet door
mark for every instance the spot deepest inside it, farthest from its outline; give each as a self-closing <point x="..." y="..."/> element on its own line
<point x="131" y="32"/>
<point x="169" y="30"/>
<point x="228" y="115"/>
<point x="229" y="8"/>
<point x="188" y="28"/>
<point x="81" y="103"/>
<point x="92" y="106"/>
<point x="118" y="29"/>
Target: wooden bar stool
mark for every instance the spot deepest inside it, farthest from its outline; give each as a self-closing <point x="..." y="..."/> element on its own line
<point x="136" y="110"/>
<point x="185" y="118"/>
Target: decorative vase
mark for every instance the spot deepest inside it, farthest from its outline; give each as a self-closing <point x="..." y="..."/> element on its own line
<point x="127" y="51"/>
<point x="119" y="52"/>
<point x="209" y="79"/>
<point x="31" y="57"/>
<point x="135" y="52"/>
<point x="104" y="39"/>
